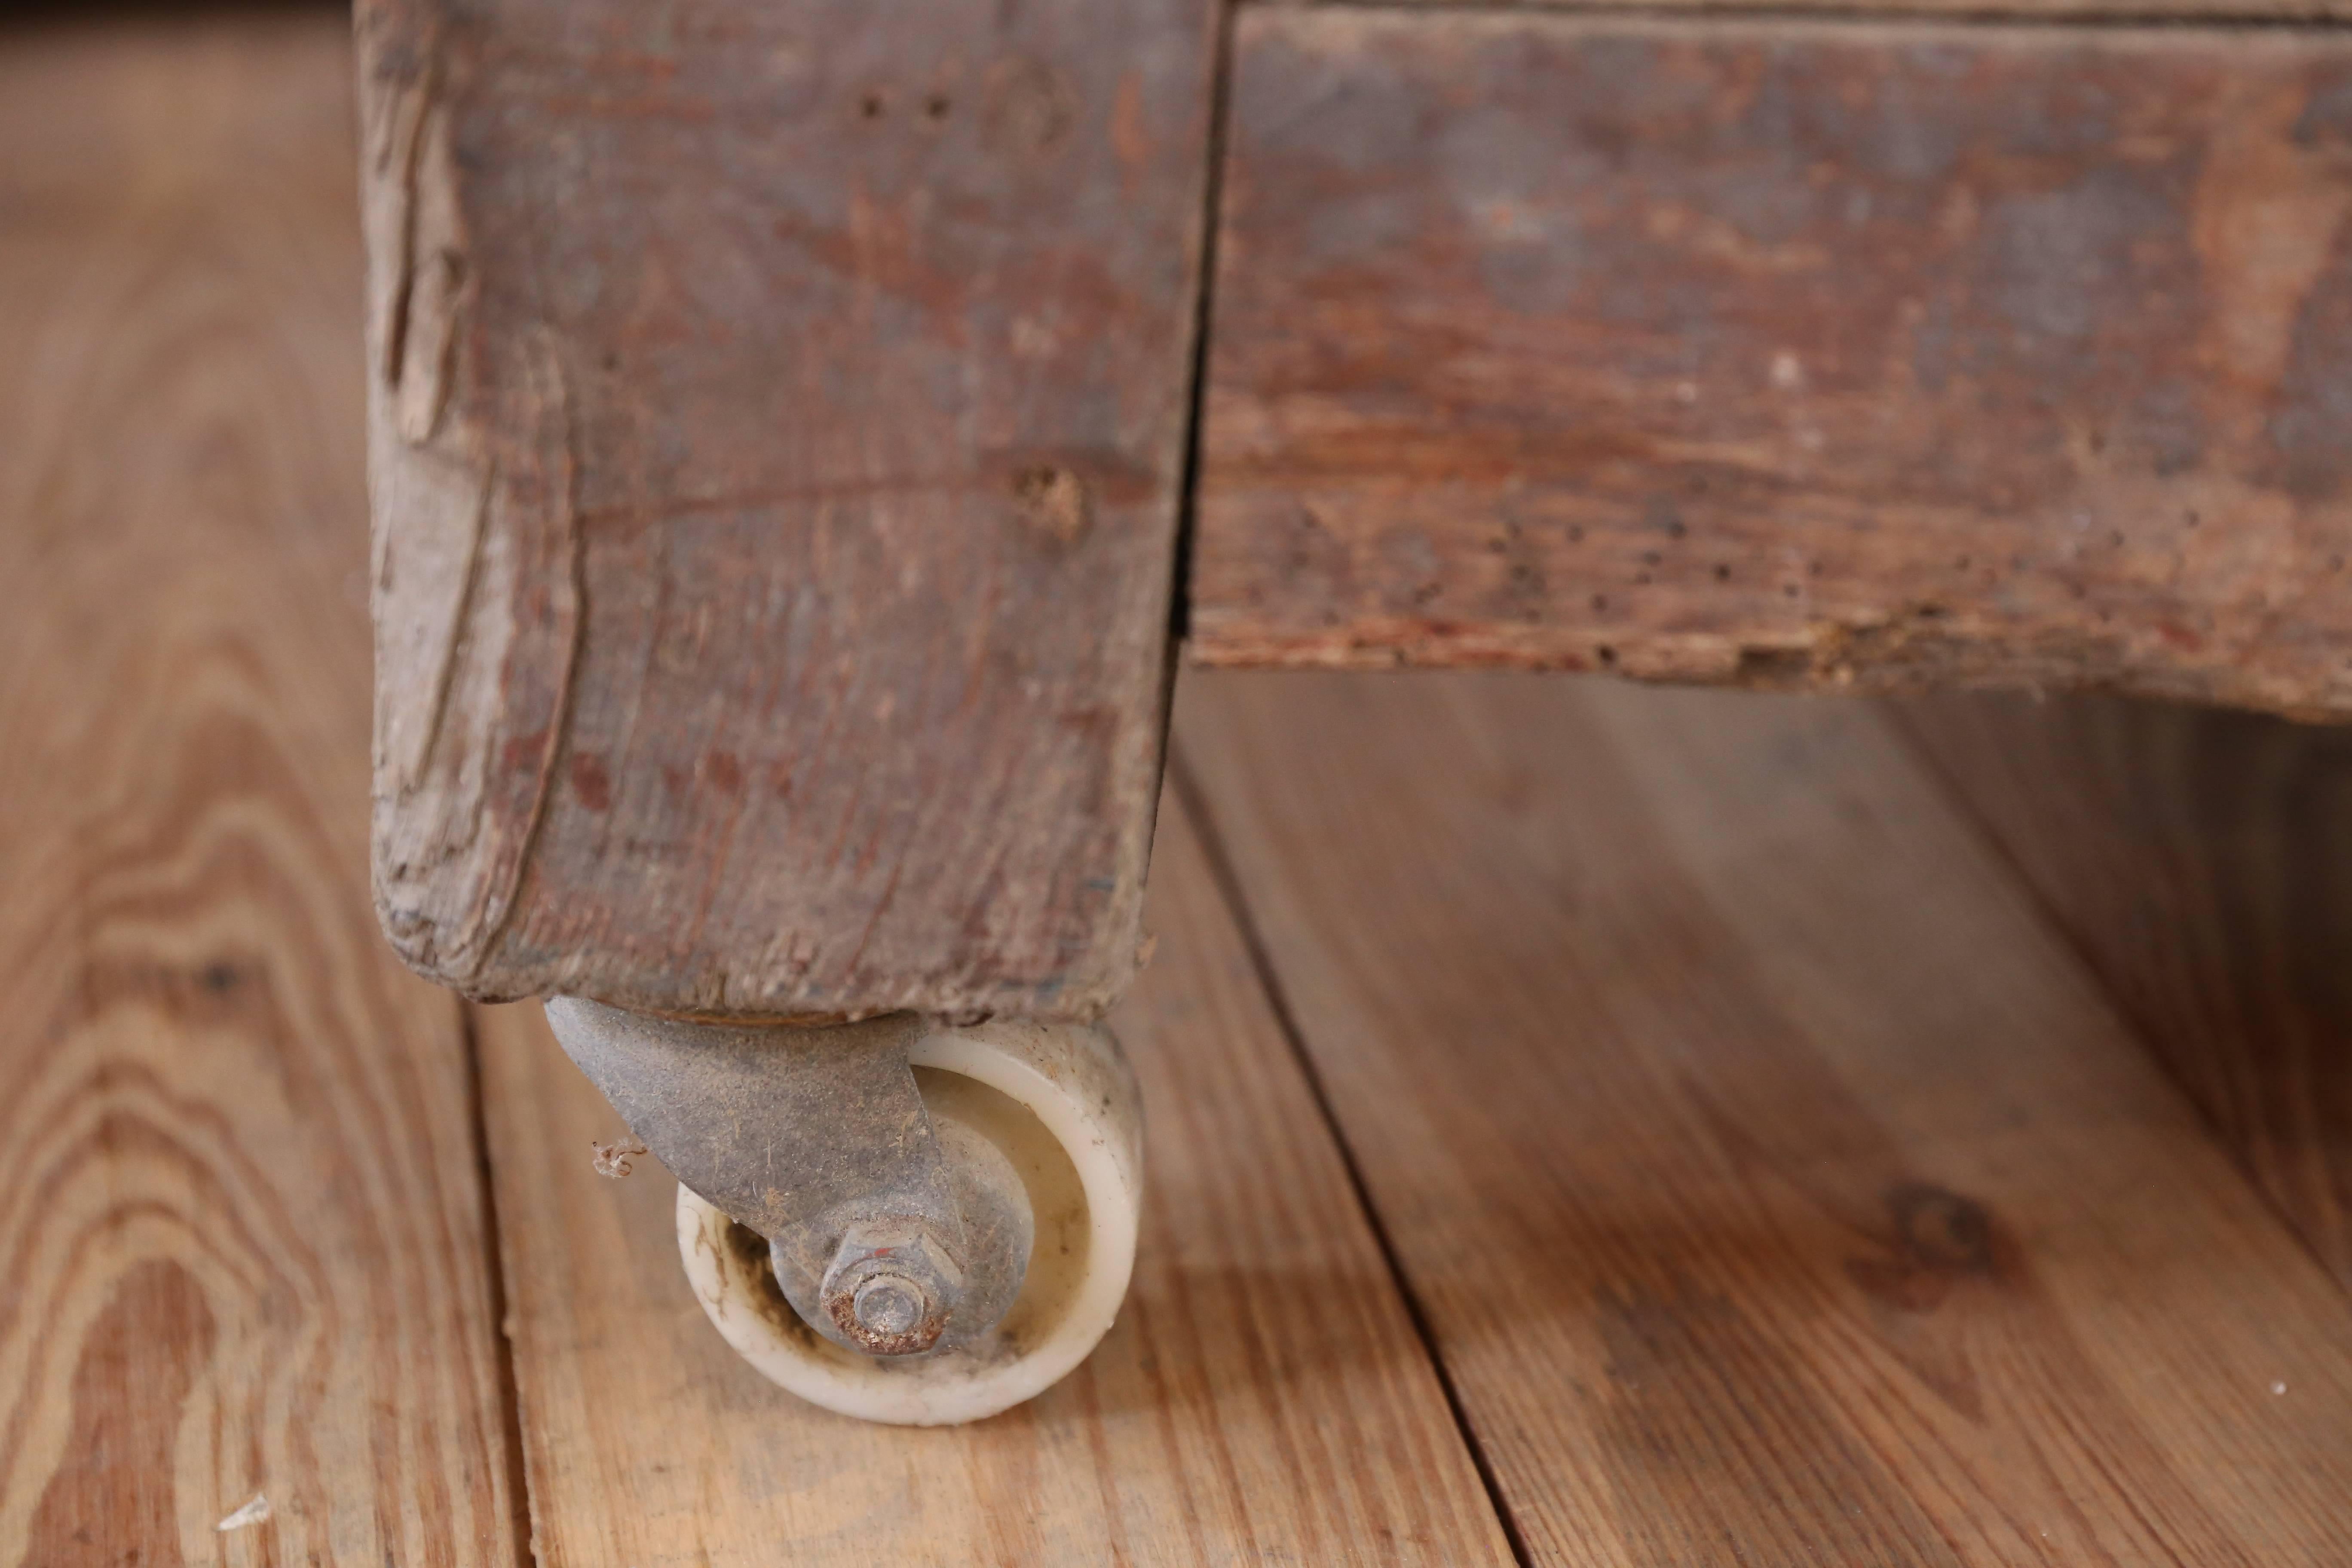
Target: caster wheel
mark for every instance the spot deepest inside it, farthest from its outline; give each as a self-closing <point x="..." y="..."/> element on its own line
<point x="1056" y="1103"/>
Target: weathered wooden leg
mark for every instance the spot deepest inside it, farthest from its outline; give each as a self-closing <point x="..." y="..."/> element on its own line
<point x="778" y="413"/>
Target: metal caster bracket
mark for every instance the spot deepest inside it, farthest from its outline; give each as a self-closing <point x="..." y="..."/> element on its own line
<point x="817" y="1139"/>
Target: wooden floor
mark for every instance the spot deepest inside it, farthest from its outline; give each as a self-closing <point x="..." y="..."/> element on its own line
<point x="1589" y="1125"/>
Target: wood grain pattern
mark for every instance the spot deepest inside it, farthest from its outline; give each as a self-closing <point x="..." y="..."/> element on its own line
<point x="2123" y="11"/>
<point x="243" y="1237"/>
<point x="1785" y="354"/>
<point x="2202" y="863"/>
<point x="778" y="411"/>
<point x="1262" y="1400"/>
<point x="1777" y="1189"/>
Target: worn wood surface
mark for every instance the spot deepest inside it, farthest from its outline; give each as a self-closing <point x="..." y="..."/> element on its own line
<point x="1779" y="1189"/>
<point x="777" y="417"/>
<point x="2202" y="863"/>
<point x="1263" y="1398"/>
<point x="2124" y="11"/>
<point x="244" y="1239"/>
<point x="1785" y="354"/>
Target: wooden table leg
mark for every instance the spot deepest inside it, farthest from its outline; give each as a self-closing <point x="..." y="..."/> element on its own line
<point x="778" y="417"/>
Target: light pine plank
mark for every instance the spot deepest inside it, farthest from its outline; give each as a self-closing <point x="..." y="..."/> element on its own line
<point x="242" y="1245"/>
<point x="1263" y="1398"/>
<point x="1777" y="1188"/>
<point x="2202" y="863"/>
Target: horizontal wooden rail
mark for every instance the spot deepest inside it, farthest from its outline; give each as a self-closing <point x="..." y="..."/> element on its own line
<point x="1785" y="352"/>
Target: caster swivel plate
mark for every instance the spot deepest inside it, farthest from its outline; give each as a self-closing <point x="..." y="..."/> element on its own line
<point x="900" y="1220"/>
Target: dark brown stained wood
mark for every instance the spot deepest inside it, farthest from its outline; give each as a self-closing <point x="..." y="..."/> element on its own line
<point x="1785" y="354"/>
<point x="242" y="1240"/>
<point x="1778" y="1186"/>
<point x="2203" y="862"/>
<point x="778" y="411"/>
<point x="1263" y="1398"/>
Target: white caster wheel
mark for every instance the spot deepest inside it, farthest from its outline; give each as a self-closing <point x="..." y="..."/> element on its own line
<point x="1056" y="1103"/>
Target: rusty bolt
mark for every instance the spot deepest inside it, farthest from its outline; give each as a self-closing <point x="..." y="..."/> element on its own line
<point x="888" y="1307"/>
<point x="892" y="1286"/>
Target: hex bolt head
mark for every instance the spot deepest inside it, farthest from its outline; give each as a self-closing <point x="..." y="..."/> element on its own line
<point x="891" y="1288"/>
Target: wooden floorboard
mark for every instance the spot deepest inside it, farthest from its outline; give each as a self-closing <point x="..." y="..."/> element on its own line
<point x="242" y="1246"/>
<point x="2201" y="861"/>
<point x="1263" y="1399"/>
<point x="1778" y="1186"/>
